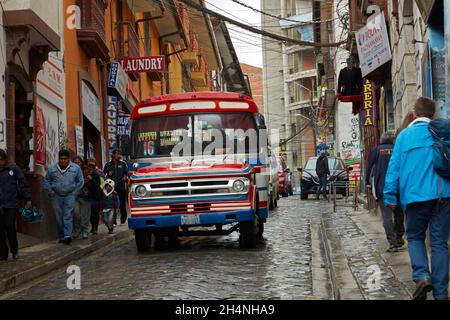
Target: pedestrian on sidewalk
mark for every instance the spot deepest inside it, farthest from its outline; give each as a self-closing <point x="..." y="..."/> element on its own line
<point x="323" y="171"/>
<point x="95" y="192"/>
<point x="110" y="204"/>
<point x="82" y="211"/>
<point x="425" y="198"/>
<point x="117" y="170"/>
<point x="13" y="187"/>
<point x="375" y="177"/>
<point x="63" y="182"/>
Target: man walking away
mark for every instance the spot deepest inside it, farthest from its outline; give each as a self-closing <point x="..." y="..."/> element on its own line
<point x="375" y="177"/>
<point x="63" y="182"/>
<point x="426" y="198"/>
<point x="323" y="171"/>
<point x="117" y="170"/>
<point x="13" y="187"/>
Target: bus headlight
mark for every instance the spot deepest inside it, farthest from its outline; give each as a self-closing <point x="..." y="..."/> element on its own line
<point x="140" y="191"/>
<point x="239" y="186"/>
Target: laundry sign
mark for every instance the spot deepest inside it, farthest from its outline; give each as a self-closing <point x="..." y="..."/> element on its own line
<point x="143" y="64"/>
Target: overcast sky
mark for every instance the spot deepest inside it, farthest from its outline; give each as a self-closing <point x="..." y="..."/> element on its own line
<point x="246" y="44"/>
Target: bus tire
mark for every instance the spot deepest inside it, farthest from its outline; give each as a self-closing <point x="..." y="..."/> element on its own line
<point x="143" y="238"/>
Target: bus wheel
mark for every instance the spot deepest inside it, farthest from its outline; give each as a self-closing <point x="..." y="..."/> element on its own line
<point x="143" y="239"/>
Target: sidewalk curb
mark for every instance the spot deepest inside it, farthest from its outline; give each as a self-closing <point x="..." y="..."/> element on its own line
<point x="333" y="279"/>
<point x="40" y="270"/>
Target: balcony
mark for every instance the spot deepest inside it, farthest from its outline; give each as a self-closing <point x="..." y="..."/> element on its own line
<point x="189" y="58"/>
<point x="127" y="43"/>
<point x="92" y="35"/>
<point x="198" y="74"/>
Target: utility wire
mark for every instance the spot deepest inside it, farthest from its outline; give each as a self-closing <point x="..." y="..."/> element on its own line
<point x="300" y="23"/>
<point x="194" y="5"/>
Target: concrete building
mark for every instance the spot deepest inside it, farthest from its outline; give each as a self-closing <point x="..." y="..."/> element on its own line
<point x="290" y="78"/>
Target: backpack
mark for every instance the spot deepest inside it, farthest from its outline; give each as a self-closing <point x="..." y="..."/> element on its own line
<point x="440" y="130"/>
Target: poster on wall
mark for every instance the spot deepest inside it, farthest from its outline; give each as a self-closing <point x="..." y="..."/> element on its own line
<point x="79" y="141"/>
<point x="348" y="137"/>
<point x="40" y="137"/>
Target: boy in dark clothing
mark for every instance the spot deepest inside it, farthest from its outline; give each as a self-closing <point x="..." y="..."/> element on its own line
<point x="110" y="204"/>
<point x="323" y="171"/>
<point x="117" y="170"/>
<point x="376" y="173"/>
<point x="13" y="187"/>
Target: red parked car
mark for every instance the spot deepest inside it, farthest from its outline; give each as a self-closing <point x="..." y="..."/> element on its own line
<point x="284" y="178"/>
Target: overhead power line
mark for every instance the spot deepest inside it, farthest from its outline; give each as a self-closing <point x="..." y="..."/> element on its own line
<point x="279" y="18"/>
<point x="244" y="26"/>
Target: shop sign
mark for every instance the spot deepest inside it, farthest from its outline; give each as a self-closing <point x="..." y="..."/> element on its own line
<point x="123" y="124"/>
<point x="143" y="64"/>
<point x="50" y="82"/>
<point x="79" y="141"/>
<point x="113" y="104"/>
<point x="369" y="103"/>
<point x="373" y="44"/>
<point x="91" y="105"/>
<point x="118" y="79"/>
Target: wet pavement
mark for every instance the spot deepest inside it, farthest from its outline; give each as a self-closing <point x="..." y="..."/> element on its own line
<point x="293" y="262"/>
<point x="281" y="267"/>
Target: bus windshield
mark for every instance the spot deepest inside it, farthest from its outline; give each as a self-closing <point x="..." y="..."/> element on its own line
<point x="194" y="134"/>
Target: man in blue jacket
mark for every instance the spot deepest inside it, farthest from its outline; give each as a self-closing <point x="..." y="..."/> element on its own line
<point x="376" y="172"/>
<point x="425" y="197"/>
<point x="63" y="182"/>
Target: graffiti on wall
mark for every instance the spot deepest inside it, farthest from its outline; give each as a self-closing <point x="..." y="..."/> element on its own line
<point x="52" y="142"/>
<point x="63" y="140"/>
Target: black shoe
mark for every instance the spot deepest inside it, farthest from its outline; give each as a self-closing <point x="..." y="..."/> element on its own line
<point x="15" y="256"/>
<point x="61" y="241"/>
<point x="392" y="249"/>
<point x="67" y="240"/>
<point x="400" y="242"/>
<point x="422" y="288"/>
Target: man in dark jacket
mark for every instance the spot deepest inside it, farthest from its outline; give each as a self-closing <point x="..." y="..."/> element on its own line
<point x="393" y="221"/>
<point x="323" y="171"/>
<point x="117" y="170"/>
<point x="13" y="187"/>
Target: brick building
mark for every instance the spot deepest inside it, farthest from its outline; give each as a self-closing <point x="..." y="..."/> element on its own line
<point x="255" y="78"/>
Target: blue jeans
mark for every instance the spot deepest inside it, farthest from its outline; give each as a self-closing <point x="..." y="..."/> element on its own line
<point x="323" y="181"/>
<point x="420" y="216"/>
<point x="64" y="211"/>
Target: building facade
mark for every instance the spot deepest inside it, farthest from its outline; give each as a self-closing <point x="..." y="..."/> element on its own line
<point x="291" y="79"/>
<point x="74" y="69"/>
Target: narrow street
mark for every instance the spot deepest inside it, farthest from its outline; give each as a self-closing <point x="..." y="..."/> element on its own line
<point x="290" y="264"/>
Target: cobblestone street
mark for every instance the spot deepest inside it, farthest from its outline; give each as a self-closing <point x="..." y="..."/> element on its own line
<point x="291" y="263"/>
<point x="282" y="267"/>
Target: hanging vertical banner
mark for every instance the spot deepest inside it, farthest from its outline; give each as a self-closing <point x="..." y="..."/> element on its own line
<point x="79" y="141"/>
<point x="40" y="137"/>
<point x="112" y="106"/>
<point x="369" y="103"/>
